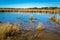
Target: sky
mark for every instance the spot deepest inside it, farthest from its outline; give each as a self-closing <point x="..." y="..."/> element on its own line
<point x="28" y="3"/>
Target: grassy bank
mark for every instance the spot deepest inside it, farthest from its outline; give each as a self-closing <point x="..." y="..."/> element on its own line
<point x="40" y="10"/>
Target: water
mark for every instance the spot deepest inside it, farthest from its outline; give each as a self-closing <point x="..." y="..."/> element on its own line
<point x="24" y="19"/>
<point x="51" y="32"/>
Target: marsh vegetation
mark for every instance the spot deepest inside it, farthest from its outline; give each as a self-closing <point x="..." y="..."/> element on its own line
<point x="13" y="32"/>
<point x="51" y="10"/>
<point x="54" y="19"/>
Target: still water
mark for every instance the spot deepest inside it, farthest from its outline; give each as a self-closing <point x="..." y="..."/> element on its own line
<point x="24" y="19"/>
<point x="51" y="30"/>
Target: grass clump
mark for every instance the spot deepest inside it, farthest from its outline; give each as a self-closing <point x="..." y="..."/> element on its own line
<point x="13" y="32"/>
<point x="8" y="30"/>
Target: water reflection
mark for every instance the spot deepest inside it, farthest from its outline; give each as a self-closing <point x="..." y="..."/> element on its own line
<point x="28" y="19"/>
<point x="38" y="25"/>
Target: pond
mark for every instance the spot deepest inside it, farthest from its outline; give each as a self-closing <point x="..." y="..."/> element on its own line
<point x="24" y="19"/>
<point x="51" y="30"/>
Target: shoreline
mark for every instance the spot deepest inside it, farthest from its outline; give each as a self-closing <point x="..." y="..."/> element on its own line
<point x="52" y="11"/>
<point x="12" y="32"/>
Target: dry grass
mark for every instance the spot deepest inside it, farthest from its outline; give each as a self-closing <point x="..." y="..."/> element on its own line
<point x="7" y="30"/>
<point x="12" y="32"/>
<point x="52" y="18"/>
<point x="31" y="19"/>
<point x="39" y="27"/>
<point x="58" y="20"/>
<point x="53" y="11"/>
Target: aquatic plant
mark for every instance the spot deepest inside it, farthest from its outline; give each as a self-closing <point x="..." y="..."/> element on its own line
<point x="39" y="27"/>
<point x="58" y="20"/>
<point x="18" y="18"/>
<point x="31" y="19"/>
<point x="8" y="30"/>
<point x="52" y="18"/>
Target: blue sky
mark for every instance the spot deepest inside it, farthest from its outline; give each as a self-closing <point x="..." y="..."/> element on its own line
<point x="28" y="3"/>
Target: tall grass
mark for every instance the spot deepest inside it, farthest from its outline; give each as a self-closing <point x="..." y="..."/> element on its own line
<point x="8" y="30"/>
<point x="12" y="32"/>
